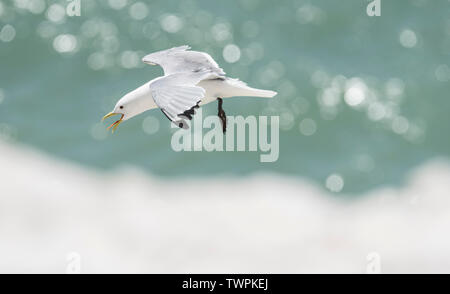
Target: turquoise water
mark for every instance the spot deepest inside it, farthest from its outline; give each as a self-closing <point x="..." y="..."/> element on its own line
<point x="364" y="98"/>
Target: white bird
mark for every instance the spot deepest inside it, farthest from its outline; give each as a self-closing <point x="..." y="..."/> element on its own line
<point x="191" y="78"/>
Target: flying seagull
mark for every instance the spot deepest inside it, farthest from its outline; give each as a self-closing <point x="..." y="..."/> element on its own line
<point x="191" y="79"/>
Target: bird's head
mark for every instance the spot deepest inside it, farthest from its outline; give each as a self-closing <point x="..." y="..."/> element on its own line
<point x="126" y="107"/>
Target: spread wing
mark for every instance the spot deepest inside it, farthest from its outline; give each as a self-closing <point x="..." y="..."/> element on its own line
<point x="178" y="96"/>
<point x="179" y="59"/>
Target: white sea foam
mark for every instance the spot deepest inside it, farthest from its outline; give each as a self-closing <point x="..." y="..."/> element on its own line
<point x="129" y="221"/>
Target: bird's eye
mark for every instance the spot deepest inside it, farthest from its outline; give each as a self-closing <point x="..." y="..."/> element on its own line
<point x="121" y="107"/>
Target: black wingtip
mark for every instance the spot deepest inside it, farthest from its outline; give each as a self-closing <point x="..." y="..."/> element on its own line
<point x="190" y="112"/>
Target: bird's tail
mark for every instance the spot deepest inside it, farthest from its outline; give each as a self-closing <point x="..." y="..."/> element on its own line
<point x="240" y="88"/>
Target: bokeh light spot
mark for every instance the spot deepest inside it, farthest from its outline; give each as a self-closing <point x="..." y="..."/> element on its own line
<point x="231" y="53"/>
<point x="139" y="10"/>
<point x="99" y="131"/>
<point x="65" y="43"/>
<point x="442" y="73"/>
<point x="171" y="23"/>
<point x="335" y="183"/>
<point x="56" y="13"/>
<point x="408" y="38"/>
<point x="150" y="125"/>
<point x="36" y="6"/>
<point x="117" y="4"/>
<point x="8" y="33"/>
<point x="400" y="125"/>
<point x="308" y="127"/>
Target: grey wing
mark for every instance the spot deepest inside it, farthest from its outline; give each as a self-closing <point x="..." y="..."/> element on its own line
<point x="178" y="96"/>
<point x="178" y="59"/>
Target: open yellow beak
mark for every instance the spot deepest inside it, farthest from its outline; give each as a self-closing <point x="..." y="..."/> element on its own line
<point x="115" y="124"/>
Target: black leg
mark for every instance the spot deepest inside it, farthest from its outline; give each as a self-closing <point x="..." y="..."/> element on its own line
<point x="222" y="116"/>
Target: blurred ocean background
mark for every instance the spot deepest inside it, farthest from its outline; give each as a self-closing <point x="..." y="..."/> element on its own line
<point x="364" y="98"/>
<point x="363" y="105"/>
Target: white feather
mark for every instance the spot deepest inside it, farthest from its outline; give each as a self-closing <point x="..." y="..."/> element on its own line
<point x="189" y="77"/>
